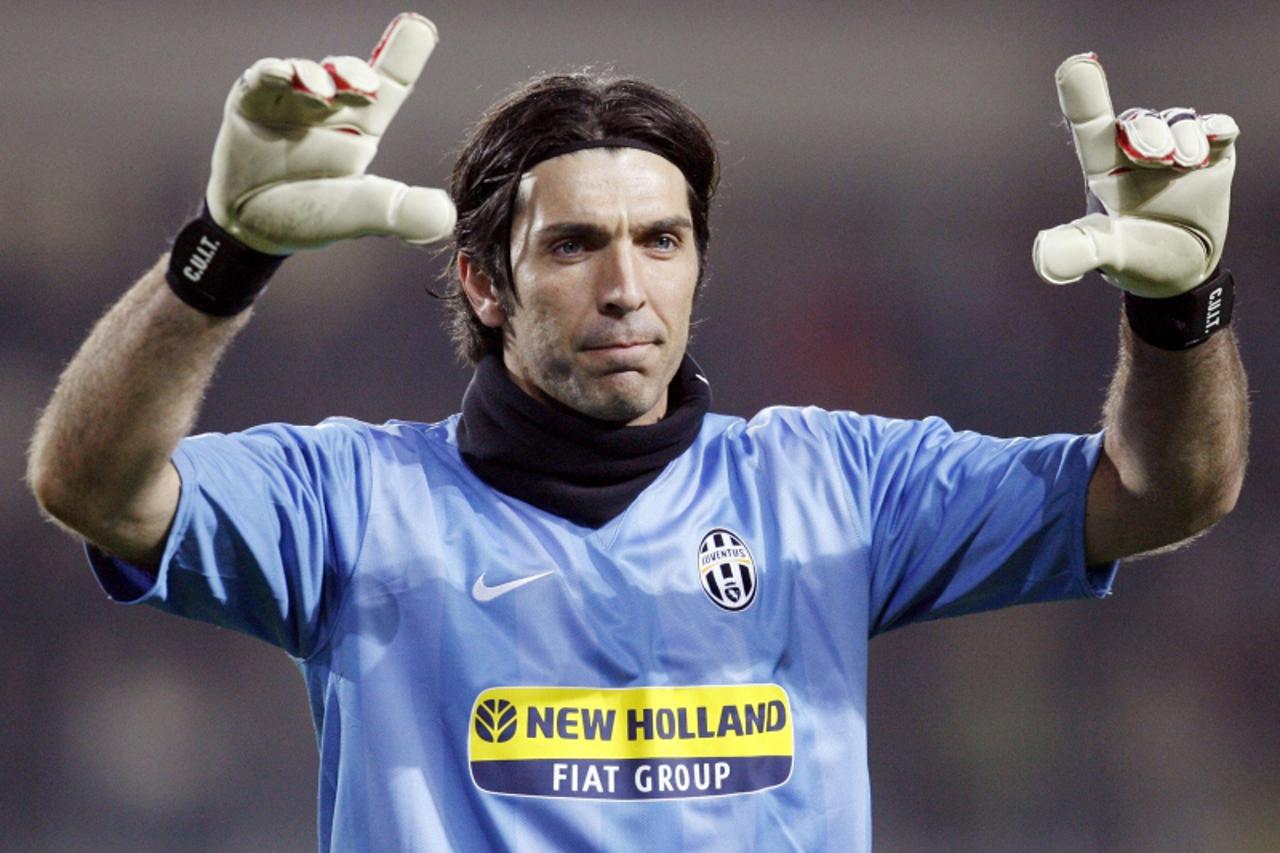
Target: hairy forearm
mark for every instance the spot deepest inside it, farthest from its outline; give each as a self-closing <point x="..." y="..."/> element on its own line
<point x="99" y="458"/>
<point x="1177" y="428"/>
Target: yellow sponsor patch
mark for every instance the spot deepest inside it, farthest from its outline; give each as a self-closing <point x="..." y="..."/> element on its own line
<point x="631" y="743"/>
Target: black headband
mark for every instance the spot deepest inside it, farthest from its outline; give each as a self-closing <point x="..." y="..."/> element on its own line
<point x="607" y="142"/>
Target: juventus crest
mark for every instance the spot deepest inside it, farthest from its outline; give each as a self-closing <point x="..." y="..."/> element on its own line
<point x="727" y="570"/>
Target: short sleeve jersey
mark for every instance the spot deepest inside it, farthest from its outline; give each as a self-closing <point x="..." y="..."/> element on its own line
<point x="691" y="675"/>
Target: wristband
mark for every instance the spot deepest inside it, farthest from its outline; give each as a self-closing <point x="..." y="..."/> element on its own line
<point x="214" y="272"/>
<point x="1186" y="320"/>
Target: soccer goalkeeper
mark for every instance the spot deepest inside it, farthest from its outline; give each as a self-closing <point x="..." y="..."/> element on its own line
<point x="585" y="610"/>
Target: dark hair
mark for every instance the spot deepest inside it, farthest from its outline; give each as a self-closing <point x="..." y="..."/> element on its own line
<point x="518" y="132"/>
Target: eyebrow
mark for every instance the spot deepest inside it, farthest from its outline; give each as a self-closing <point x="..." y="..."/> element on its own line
<point x="593" y="231"/>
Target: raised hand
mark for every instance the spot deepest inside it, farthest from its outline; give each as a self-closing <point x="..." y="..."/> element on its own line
<point x="1158" y="186"/>
<point x="289" y="163"/>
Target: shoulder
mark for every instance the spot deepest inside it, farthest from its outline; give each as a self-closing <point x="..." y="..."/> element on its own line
<point x="335" y="438"/>
<point x="337" y="431"/>
<point x="816" y="444"/>
<point x="399" y="431"/>
<point x="794" y="427"/>
<point x="330" y="436"/>
<point x="399" y="439"/>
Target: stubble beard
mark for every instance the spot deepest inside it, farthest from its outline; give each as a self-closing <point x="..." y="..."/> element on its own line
<point x="618" y="397"/>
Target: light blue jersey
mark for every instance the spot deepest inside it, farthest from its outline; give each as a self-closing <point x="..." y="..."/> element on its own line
<point x="692" y="675"/>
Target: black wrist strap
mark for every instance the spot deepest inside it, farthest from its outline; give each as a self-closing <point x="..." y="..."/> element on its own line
<point x="214" y="272"/>
<point x="1186" y="320"/>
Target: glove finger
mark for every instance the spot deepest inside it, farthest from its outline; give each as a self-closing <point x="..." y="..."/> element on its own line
<point x="1143" y="256"/>
<point x="262" y="85"/>
<point x="359" y="91"/>
<point x="284" y="92"/>
<point x="1190" y="143"/>
<point x="355" y="82"/>
<point x="398" y="60"/>
<point x="1064" y="254"/>
<point x="269" y="73"/>
<point x="404" y="48"/>
<point x="310" y="214"/>
<point x="1221" y="131"/>
<point x="1144" y="138"/>
<point x="310" y="80"/>
<point x="1086" y="104"/>
<point x="1219" y="127"/>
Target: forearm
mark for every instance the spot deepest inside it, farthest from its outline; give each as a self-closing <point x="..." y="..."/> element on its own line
<point x="99" y="459"/>
<point x="1177" y="426"/>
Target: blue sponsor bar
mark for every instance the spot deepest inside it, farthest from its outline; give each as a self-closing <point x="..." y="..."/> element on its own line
<point x="632" y="779"/>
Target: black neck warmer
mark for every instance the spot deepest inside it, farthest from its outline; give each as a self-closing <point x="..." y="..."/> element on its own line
<point x="566" y="463"/>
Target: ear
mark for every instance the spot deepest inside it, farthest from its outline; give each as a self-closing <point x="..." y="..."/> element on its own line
<point x="480" y="293"/>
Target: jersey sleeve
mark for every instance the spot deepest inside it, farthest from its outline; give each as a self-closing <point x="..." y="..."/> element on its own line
<point x="961" y="522"/>
<point x="269" y="524"/>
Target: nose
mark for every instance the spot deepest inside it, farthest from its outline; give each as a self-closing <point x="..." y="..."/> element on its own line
<point x="620" y="287"/>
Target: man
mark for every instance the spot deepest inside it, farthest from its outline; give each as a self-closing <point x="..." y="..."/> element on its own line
<point x="586" y="613"/>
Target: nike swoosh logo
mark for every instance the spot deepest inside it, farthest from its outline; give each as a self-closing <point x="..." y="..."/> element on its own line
<point x="481" y="591"/>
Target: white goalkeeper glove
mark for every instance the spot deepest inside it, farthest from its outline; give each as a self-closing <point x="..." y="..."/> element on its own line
<point x="289" y="163"/>
<point x="1158" y="187"/>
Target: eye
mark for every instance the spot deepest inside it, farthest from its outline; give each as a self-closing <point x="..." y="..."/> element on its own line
<point x="567" y="248"/>
<point x="665" y="243"/>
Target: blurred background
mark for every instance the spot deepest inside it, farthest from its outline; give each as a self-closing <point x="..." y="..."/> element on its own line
<point x="885" y="171"/>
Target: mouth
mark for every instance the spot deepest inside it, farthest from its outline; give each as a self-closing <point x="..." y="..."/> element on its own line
<point x="620" y="355"/>
<point x="618" y="346"/>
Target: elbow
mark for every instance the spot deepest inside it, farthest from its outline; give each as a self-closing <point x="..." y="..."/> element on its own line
<point x="1208" y="506"/>
<point x="61" y="495"/>
<point x="55" y="496"/>
<point x="1222" y="500"/>
<point x="127" y="516"/>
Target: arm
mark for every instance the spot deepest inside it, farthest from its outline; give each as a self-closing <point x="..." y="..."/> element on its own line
<point x="99" y="459"/>
<point x="1177" y="428"/>
<point x="1176" y="417"/>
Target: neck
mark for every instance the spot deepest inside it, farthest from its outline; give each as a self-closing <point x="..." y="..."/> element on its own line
<point x="567" y="463"/>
